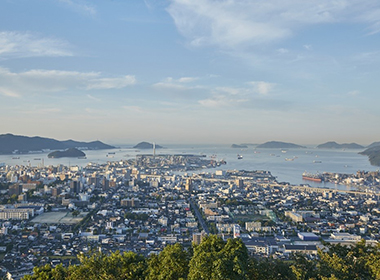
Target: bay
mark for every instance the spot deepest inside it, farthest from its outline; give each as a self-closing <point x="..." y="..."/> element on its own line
<point x="286" y="165"/>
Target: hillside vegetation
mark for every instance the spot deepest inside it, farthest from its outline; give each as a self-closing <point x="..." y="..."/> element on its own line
<point x="215" y="259"/>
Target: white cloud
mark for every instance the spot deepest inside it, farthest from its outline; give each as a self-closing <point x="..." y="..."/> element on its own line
<point x="80" y="6"/>
<point x="93" y="98"/>
<point x="231" y="90"/>
<point x="261" y="87"/>
<point x="282" y="51"/>
<point x="175" y="84"/>
<point x="230" y="24"/>
<point x="109" y="83"/>
<point x="308" y="47"/>
<point x="218" y="101"/>
<point x="354" y="93"/>
<point x="18" y="44"/>
<point x="170" y="86"/>
<point x="187" y="79"/>
<point x="40" y="81"/>
<point x="9" y="93"/>
<point x="135" y="109"/>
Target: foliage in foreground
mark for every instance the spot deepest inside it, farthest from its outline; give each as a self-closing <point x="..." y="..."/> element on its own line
<point x="215" y="259"/>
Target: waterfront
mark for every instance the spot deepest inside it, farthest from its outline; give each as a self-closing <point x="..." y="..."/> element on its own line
<point x="309" y="159"/>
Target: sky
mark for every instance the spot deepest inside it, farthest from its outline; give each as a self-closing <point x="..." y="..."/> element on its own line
<point x="191" y="71"/>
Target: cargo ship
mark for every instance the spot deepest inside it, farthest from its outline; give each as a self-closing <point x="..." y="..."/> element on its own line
<point x="312" y="177"/>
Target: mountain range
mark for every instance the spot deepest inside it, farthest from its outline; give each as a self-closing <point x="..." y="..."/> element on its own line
<point x="279" y="145"/>
<point x="335" y="145"/>
<point x="17" y="144"/>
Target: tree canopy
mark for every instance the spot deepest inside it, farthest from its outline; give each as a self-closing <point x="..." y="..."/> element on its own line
<point x="216" y="259"/>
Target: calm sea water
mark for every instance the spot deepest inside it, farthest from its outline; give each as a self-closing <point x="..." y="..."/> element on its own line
<point x="311" y="160"/>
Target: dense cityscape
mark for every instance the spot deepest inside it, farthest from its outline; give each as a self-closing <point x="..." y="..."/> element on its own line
<point x="51" y="214"/>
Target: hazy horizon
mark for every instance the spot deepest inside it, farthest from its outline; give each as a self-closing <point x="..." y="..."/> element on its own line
<point x="200" y="71"/>
<point x="114" y="142"/>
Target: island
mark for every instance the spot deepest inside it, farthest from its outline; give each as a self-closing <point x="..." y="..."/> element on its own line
<point x="335" y="145"/>
<point x="374" y="144"/>
<point x="236" y="146"/>
<point x="373" y="155"/>
<point x="146" y="145"/>
<point x="18" y="144"/>
<point x="72" y="152"/>
<point x="279" y="145"/>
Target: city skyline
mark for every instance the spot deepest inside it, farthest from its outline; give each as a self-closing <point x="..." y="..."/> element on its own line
<point x="184" y="71"/>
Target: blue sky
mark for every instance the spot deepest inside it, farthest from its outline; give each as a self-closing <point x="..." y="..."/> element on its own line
<point x="191" y="71"/>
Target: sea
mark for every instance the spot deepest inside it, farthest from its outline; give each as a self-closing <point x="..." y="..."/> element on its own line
<point x="287" y="165"/>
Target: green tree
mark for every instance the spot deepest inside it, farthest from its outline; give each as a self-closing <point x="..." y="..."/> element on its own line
<point x="117" y="266"/>
<point x="171" y="264"/>
<point x="269" y="269"/>
<point x="215" y="259"/>
<point x="46" y="272"/>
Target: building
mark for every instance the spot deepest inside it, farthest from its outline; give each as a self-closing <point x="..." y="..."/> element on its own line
<point x="15" y="189"/>
<point x="189" y="185"/>
<point x="130" y="202"/>
<point x="308" y="236"/>
<point x="198" y="237"/>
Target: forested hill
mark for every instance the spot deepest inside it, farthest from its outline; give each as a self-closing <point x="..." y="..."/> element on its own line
<point x="10" y="143"/>
<point x="215" y="259"/>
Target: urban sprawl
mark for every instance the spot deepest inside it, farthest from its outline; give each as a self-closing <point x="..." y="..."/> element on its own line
<point x="50" y="214"/>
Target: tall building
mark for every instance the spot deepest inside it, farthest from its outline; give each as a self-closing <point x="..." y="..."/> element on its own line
<point x="15" y="189"/>
<point x="239" y="183"/>
<point x="236" y="231"/>
<point x="198" y="237"/>
<point x="75" y="187"/>
<point x="189" y="185"/>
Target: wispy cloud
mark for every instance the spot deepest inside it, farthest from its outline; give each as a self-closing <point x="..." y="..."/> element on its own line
<point x="26" y="44"/>
<point x="176" y="84"/>
<point x="42" y="81"/>
<point x="231" y="24"/>
<point x="110" y="83"/>
<point x="219" y="101"/>
<point x="187" y="79"/>
<point x="80" y="6"/>
<point x="237" y="96"/>
<point x="135" y="109"/>
<point x="308" y="47"/>
<point x="354" y="93"/>
<point x="261" y="87"/>
<point x="93" y="98"/>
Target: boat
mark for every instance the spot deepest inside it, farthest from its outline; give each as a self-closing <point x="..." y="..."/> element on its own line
<point x="16" y="158"/>
<point x="317" y="161"/>
<point x="289" y="159"/>
<point x="312" y="177"/>
<point x="37" y="159"/>
<point x="239" y="157"/>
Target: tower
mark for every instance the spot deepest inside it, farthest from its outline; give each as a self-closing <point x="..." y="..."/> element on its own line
<point x="189" y="185"/>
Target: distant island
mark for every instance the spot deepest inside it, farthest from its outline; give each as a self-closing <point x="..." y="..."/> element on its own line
<point x="17" y="144"/>
<point x="374" y="144"/>
<point x="236" y="146"/>
<point x="373" y="155"/>
<point x="279" y="145"/>
<point x="335" y="145"/>
<point x="72" y="152"/>
<point x="146" y="145"/>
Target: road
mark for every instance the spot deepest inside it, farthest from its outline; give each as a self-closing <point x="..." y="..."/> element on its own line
<point x="199" y="216"/>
